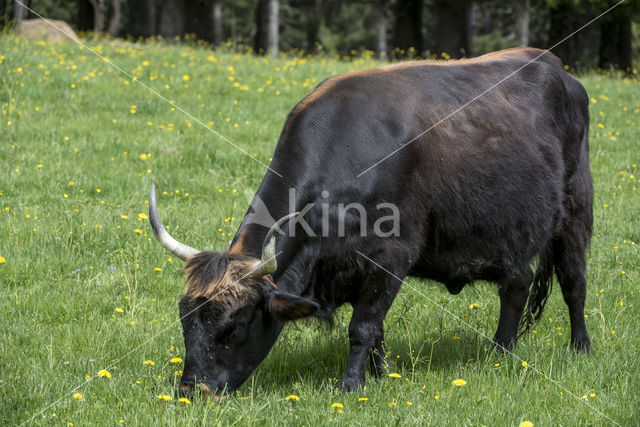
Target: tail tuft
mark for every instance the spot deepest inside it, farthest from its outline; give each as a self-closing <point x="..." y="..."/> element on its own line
<point x="539" y="291"/>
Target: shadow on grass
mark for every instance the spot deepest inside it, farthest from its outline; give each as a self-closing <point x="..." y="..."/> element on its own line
<point x="319" y="365"/>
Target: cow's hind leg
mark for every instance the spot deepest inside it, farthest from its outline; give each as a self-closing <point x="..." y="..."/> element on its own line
<point x="570" y="247"/>
<point x="365" y="329"/>
<point x="570" y="266"/>
<point x="513" y="291"/>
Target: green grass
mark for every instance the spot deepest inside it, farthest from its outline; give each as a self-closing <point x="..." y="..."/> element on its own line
<point x="75" y="169"/>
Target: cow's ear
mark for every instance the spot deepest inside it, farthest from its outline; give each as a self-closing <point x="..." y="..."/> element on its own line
<point x="284" y="306"/>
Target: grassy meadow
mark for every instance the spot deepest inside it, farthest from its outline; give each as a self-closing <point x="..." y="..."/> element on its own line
<point x="84" y="287"/>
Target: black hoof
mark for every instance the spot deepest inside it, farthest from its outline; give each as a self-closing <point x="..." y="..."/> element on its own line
<point x="348" y="385"/>
<point x="581" y="345"/>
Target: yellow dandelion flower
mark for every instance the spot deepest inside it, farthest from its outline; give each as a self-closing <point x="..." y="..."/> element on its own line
<point x="363" y="399"/>
<point x="436" y="397"/>
<point x="394" y="375"/>
<point x="137" y="231"/>
<point x="526" y="424"/>
<point x="103" y="373"/>
<point x="118" y="310"/>
<point x="292" y="397"/>
<point x="143" y="156"/>
<point x="337" y="405"/>
<point x="77" y="396"/>
<point x="157" y="269"/>
<point x="2" y="260"/>
<point x="186" y="77"/>
<point x="524" y="363"/>
<point x="459" y="382"/>
<point x="124" y="216"/>
<point x="149" y="362"/>
<point x="164" y="397"/>
<point x="175" y="360"/>
<point x="184" y="400"/>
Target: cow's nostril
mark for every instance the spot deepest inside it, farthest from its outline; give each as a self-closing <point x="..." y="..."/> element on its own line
<point x="185" y="390"/>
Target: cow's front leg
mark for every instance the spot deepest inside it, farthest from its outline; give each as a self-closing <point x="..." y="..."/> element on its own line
<point x="365" y="329"/>
<point x="378" y="362"/>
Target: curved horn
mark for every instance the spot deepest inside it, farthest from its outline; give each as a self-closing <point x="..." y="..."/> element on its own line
<point x="179" y="249"/>
<point x="268" y="263"/>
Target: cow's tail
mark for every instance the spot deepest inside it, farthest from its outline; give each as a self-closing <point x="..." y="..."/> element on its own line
<point x="539" y="291"/>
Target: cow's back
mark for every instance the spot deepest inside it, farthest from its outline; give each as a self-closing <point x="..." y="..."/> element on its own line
<point x="474" y="154"/>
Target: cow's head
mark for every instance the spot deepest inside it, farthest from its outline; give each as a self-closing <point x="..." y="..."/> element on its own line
<point x="232" y="312"/>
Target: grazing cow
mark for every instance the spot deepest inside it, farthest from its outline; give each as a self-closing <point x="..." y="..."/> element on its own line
<point x="479" y="196"/>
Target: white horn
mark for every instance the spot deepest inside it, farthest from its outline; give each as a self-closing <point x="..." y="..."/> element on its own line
<point x="268" y="263"/>
<point x="179" y="249"/>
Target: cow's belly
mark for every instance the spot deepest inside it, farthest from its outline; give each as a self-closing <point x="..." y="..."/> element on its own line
<point x="480" y="254"/>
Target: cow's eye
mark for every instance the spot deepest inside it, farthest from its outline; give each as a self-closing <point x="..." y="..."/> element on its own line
<point x="225" y="335"/>
<point x="232" y="333"/>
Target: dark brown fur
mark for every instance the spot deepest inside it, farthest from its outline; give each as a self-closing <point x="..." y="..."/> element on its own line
<point x="222" y="277"/>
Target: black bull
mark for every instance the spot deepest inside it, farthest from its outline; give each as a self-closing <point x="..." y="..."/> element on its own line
<point x="480" y="195"/>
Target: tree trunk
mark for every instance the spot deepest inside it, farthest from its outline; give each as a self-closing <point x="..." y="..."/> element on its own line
<point x="199" y="19"/>
<point x="3" y="13"/>
<point x="216" y="17"/>
<point x="114" y="20"/>
<point x="579" y="49"/>
<point x="521" y="10"/>
<point x="98" y="15"/>
<point x="260" y="42"/>
<point x="267" y="21"/>
<point x="381" y="29"/>
<point x="452" y="28"/>
<point x="273" y="33"/>
<point x="470" y="30"/>
<point x="19" y="11"/>
<point x="408" y="25"/>
<point x="172" y="19"/>
<point x="615" y="40"/>
<point x="84" y="17"/>
<point x="147" y="18"/>
<point x="312" y="29"/>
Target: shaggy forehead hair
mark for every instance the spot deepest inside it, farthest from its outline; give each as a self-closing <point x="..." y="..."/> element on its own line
<point x="223" y="278"/>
